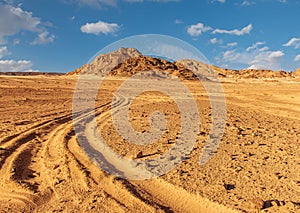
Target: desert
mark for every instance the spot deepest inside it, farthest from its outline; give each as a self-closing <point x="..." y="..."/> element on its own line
<point x="45" y="168"/>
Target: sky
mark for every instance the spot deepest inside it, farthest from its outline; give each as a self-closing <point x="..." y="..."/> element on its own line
<point x="62" y="35"/>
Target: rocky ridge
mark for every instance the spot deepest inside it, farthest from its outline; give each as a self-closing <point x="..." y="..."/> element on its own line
<point x="127" y="62"/>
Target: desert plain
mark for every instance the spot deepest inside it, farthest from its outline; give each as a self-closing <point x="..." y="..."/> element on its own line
<point x="256" y="167"/>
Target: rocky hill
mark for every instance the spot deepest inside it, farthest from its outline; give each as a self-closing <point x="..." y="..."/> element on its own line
<point x="126" y="62"/>
<point x="106" y="62"/>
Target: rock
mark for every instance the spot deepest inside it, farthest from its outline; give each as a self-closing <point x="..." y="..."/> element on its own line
<point x="139" y="155"/>
<point x="229" y="186"/>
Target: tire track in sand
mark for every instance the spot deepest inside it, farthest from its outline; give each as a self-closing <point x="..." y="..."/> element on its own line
<point x="157" y="192"/>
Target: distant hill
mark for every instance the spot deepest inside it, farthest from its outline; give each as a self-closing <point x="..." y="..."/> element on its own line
<point x="30" y="73"/>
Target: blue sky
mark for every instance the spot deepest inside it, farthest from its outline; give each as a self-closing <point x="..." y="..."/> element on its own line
<point x="62" y="35"/>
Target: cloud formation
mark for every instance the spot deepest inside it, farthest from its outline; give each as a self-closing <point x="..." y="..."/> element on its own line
<point x="221" y="1"/>
<point x="92" y="3"/>
<point x="266" y="60"/>
<point x="100" y="27"/>
<point x="248" y="3"/>
<point x="14" y="20"/>
<point x="3" y="51"/>
<point x="216" y="41"/>
<point x="254" y="46"/>
<point x="297" y="58"/>
<point x="44" y="38"/>
<point x="232" y="44"/>
<point x="255" y="57"/>
<point x="198" y="29"/>
<point x="103" y="3"/>
<point x="245" y="30"/>
<point x="15" y="66"/>
<point x="293" y="42"/>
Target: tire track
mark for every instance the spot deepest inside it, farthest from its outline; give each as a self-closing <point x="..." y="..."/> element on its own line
<point x="157" y="192"/>
<point x="50" y="170"/>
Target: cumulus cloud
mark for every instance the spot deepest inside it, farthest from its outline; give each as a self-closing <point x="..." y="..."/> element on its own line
<point x="254" y="58"/>
<point x="232" y="44"/>
<point x="44" y="38"/>
<point x="245" y="30"/>
<point x="297" y="58"/>
<point x="100" y="27"/>
<point x="266" y="60"/>
<point x="14" y="20"/>
<point x="263" y="49"/>
<point x="293" y="42"/>
<point x="231" y="56"/>
<point x="3" y="51"/>
<point x="254" y="46"/>
<point x="198" y="29"/>
<point x="216" y="41"/>
<point x="16" y="66"/>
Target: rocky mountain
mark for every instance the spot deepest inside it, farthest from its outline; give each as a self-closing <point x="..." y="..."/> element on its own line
<point x="126" y="62"/>
<point x="106" y="62"/>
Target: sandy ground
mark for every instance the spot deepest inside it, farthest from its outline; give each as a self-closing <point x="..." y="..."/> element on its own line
<point x="44" y="169"/>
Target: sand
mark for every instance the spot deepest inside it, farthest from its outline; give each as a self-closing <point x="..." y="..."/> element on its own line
<point x="43" y="168"/>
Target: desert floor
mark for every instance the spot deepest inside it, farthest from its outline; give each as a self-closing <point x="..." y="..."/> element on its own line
<point x="44" y="169"/>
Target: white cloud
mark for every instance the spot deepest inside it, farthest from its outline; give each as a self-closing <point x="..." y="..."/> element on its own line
<point x="103" y="3"/>
<point x="254" y="58"/>
<point x="216" y="41"/>
<point x="44" y="38"/>
<point x="231" y="56"/>
<point x="297" y="58"/>
<point x="293" y="42"/>
<point x="92" y="3"/>
<point x="14" y="20"/>
<point x="245" y="30"/>
<point x="198" y="29"/>
<point x="221" y="1"/>
<point x="266" y="60"/>
<point x="283" y="1"/>
<point x="15" y="66"/>
<point x="178" y="21"/>
<point x="254" y="46"/>
<point x="3" y="51"/>
<point x="248" y="3"/>
<point x="232" y="44"/>
<point x="100" y="27"/>
<point x="263" y="49"/>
